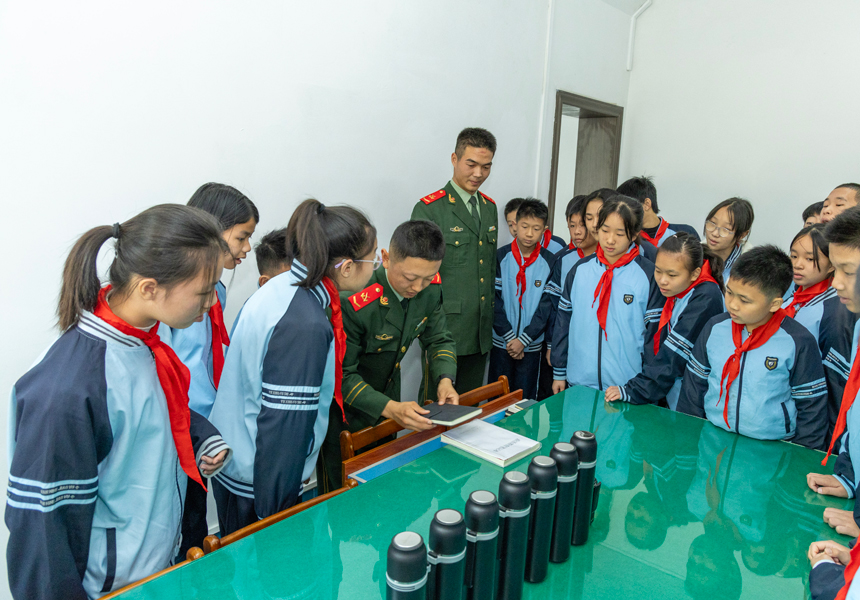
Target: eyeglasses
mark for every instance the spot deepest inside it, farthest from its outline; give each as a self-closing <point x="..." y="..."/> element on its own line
<point x="375" y="263"/>
<point x="722" y="232"/>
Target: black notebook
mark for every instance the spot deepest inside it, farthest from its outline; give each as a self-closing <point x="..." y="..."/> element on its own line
<point x="450" y="414"/>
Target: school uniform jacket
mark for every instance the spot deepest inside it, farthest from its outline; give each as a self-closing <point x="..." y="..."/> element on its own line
<point x="275" y="392"/>
<point x="662" y="374"/>
<point x="581" y="352"/>
<point x="730" y="262"/>
<point x="96" y="492"/>
<point x="672" y="229"/>
<point x="193" y="346"/>
<point x="528" y="323"/>
<point x="555" y="245"/>
<point x="561" y="266"/>
<point x="779" y="394"/>
<point x="832" y="325"/>
<point x="849" y="452"/>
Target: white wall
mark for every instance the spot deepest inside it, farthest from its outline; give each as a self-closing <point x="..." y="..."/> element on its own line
<point x="756" y="99"/>
<point x="107" y="108"/>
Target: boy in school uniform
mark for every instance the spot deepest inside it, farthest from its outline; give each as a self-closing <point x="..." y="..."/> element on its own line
<point x="271" y="255"/>
<point x="812" y="214"/>
<point x="551" y="242"/>
<point x="655" y="229"/>
<point x="754" y="370"/>
<point x="522" y="309"/>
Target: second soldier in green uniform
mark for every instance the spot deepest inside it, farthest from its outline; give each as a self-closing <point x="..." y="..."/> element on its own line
<point x="402" y="302"/>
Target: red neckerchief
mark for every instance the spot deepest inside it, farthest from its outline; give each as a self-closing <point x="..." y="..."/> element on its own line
<point x="173" y="377"/>
<point x="758" y="337"/>
<point x="604" y="286"/>
<point x="219" y="340"/>
<point x="547" y="236"/>
<point x="339" y="341"/>
<point x="666" y="315"/>
<point x="523" y="265"/>
<point x="850" y="571"/>
<point x="802" y="296"/>
<point x="578" y="251"/>
<point x="852" y="386"/>
<point x="655" y="241"/>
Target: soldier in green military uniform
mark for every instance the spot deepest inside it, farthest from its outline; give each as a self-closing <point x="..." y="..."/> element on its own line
<point x="468" y="220"/>
<point x="402" y="302"/>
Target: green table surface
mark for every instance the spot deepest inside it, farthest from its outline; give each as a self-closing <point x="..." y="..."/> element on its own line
<point x="686" y="510"/>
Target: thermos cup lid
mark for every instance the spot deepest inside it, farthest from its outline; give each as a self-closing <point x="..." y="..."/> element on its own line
<point x="543" y="474"/>
<point x="566" y="457"/>
<point x="586" y="447"/>
<point x="482" y="512"/>
<point x="449" y="516"/>
<point x="515" y="491"/>
<point x="447" y="533"/>
<point x="407" y="559"/>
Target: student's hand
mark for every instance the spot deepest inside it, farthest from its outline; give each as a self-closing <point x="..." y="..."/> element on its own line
<point x="842" y="521"/>
<point x="548" y="352"/>
<point x="445" y="392"/>
<point x="408" y="415"/>
<point x="827" y="485"/>
<point x="212" y="464"/>
<point x="558" y="386"/>
<point x="612" y="394"/>
<point x="515" y="348"/>
<point x="828" y="549"/>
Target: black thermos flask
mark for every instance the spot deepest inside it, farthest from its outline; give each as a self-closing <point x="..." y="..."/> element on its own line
<point x="515" y="504"/>
<point x="406" y="573"/>
<point x="566" y="458"/>
<point x="482" y="537"/>
<point x="586" y="448"/>
<point x="447" y="556"/>
<point x="543" y="474"/>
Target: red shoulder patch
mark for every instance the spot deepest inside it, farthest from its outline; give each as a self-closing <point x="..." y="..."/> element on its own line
<point x="361" y="299"/>
<point x="436" y="278"/>
<point x="433" y="197"/>
<point x="486" y="197"/>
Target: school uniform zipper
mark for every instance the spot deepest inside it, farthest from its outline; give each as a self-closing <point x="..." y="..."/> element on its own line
<point x="740" y="393"/>
<point x="599" y="361"/>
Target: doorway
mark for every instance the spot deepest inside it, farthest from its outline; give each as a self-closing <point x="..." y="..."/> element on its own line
<point x="586" y="145"/>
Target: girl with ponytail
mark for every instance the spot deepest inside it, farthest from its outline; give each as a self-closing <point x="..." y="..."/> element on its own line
<point x="689" y="276"/>
<point x="104" y="441"/>
<point x="283" y="372"/>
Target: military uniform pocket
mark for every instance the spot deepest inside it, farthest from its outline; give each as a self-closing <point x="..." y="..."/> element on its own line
<point x="457" y="249"/>
<point x="382" y="342"/>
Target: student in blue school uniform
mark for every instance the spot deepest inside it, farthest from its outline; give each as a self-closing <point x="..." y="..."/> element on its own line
<point x="522" y="307"/>
<point x="843" y="237"/>
<point x="271" y="255"/>
<point x="102" y="441"/>
<point x="608" y="303"/>
<point x="755" y="370"/>
<point x="727" y="228"/>
<point x="594" y="202"/>
<point x="655" y="229"/>
<point x="548" y="241"/>
<point x="815" y="305"/>
<point x="812" y="214"/>
<point x="201" y="346"/>
<point x="688" y="275"/>
<point x="285" y="364"/>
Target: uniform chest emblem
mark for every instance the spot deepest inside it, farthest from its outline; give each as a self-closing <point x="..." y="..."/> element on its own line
<point x="537" y="282"/>
<point x="384" y="337"/>
<point x="424" y="320"/>
<point x="770" y="363"/>
<point x="457" y="229"/>
<point x="451" y="199"/>
<point x="628" y="298"/>
<point x="383" y="301"/>
<point x="492" y="228"/>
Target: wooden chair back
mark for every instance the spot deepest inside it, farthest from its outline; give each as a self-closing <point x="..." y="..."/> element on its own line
<point x="486" y="392"/>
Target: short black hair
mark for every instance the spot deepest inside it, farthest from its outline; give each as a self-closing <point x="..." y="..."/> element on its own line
<point x="417" y="239"/>
<point x="512" y="206"/>
<point x="844" y="229"/>
<point x="766" y="267"/>
<point x="742" y="214"/>
<point x="628" y="209"/>
<point x="851" y="186"/>
<point x="813" y="210"/>
<point x="601" y="194"/>
<point x="575" y="206"/>
<point x="640" y="188"/>
<point x="532" y="207"/>
<point x="271" y="251"/>
<point x="476" y="138"/>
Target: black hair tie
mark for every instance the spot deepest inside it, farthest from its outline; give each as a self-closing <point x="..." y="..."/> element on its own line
<point x="115" y="232"/>
<point x="320" y="208"/>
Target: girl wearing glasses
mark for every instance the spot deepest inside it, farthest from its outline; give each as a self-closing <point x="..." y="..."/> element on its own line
<point x="284" y="368"/>
<point x="727" y="229"/>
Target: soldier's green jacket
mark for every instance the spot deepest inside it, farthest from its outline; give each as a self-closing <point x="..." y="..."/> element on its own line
<point x="377" y="338"/>
<point x="469" y="268"/>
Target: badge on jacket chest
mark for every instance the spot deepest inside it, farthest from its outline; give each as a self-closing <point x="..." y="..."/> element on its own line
<point x="537" y="282"/>
<point x="457" y="229"/>
<point x="628" y="298"/>
<point x="770" y="363"/>
<point x="384" y="337"/>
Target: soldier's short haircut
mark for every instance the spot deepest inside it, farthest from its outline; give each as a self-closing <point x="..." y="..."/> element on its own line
<point x="417" y="239"/>
<point x="476" y="138"/>
<point x="532" y="207"/>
